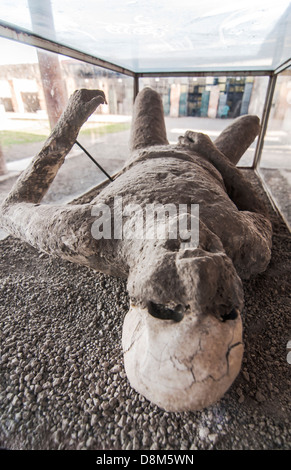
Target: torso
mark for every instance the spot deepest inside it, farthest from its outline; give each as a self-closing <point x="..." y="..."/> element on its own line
<point x="167" y="175"/>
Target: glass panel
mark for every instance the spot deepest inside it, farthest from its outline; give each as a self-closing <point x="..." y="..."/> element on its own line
<point x="34" y="89"/>
<point x="209" y="104"/>
<point x="275" y="165"/>
<point x="164" y="35"/>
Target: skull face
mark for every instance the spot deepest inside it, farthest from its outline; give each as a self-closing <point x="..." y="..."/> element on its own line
<point x="181" y="366"/>
<point x="182" y="337"/>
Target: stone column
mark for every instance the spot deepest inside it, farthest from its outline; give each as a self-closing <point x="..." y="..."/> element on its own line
<point x="53" y="84"/>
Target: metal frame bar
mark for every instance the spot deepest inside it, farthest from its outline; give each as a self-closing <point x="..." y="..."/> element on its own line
<point x="210" y="73"/>
<point x="265" y="119"/>
<point x="259" y="149"/>
<point x="135" y="86"/>
<point x="283" y="66"/>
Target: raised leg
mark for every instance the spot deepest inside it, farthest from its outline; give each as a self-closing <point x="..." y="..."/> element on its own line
<point x="237" y="137"/>
<point x="148" y="124"/>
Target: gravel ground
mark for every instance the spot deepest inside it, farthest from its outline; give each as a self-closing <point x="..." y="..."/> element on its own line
<point x="63" y="384"/>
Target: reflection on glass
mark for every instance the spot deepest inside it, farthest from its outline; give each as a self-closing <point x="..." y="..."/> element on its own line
<point x="166" y="35"/>
<point x="209" y="104"/>
<point x="275" y="165"/>
<point x="25" y="93"/>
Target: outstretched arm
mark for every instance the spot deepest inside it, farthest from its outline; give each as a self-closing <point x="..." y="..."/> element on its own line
<point x="236" y="138"/>
<point x="34" y="182"/>
<point x="237" y="186"/>
<point x="62" y="230"/>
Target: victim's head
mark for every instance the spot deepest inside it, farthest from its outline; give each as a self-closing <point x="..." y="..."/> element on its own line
<point x="182" y="337"/>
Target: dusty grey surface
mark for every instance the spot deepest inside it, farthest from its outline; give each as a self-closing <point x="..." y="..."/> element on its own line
<point x="63" y="384"/>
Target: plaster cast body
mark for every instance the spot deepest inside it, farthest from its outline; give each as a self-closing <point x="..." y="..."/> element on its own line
<point x="182" y="337"/>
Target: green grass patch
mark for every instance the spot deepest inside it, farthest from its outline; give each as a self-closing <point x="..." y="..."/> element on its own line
<point x="106" y="128"/>
<point x="8" y="138"/>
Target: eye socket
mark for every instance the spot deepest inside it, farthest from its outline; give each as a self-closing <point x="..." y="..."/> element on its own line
<point x="165" y="313"/>
<point x="232" y="315"/>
